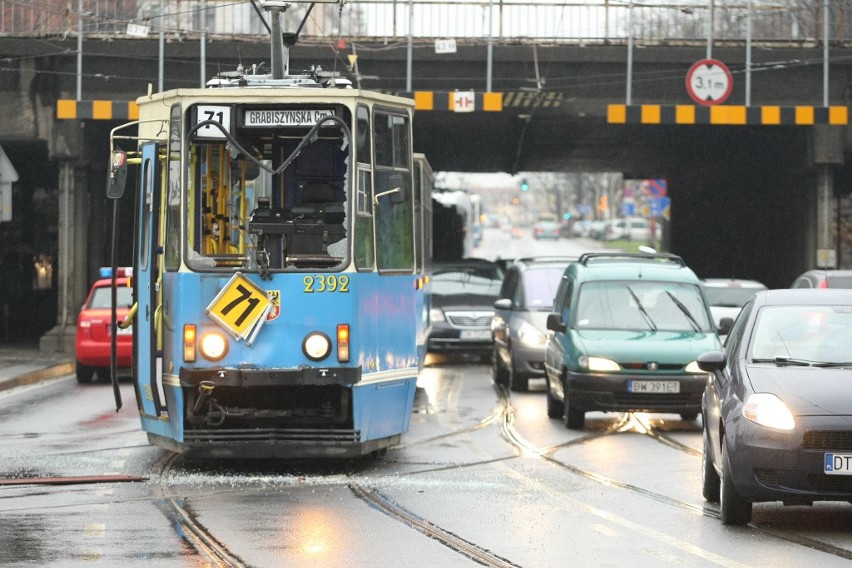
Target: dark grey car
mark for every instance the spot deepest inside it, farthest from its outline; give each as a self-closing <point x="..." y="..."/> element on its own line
<point x="520" y="315"/>
<point x="463" y="295"/>
<point x="777" y="425"/>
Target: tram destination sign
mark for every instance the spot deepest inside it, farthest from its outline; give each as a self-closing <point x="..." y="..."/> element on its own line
<point x="293" y="117"/>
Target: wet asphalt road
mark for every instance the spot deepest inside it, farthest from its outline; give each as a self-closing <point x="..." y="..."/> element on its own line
<point x="481" y="478"/>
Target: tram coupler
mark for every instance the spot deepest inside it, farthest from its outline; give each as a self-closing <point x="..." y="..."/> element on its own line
<point x="205" y="389"/>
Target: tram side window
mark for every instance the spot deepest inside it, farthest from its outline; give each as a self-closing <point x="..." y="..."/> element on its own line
<point x="364" y="190"/>
<point x="171" y="259"/>
<point x="394" y="211"/>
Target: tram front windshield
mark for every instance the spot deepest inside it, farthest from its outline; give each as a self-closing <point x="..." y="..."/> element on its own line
<point x="243" y="210"/>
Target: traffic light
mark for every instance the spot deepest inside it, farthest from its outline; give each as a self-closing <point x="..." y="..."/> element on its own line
<point x="566" y="216"/>
<point x="524" y="185"/>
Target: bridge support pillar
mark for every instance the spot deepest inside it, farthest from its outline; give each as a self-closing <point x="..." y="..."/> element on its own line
<point x="827" y="153"/>
<point x="72" y="262"/>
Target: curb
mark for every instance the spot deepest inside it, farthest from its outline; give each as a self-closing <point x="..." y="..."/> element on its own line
<point x="53" y="372"/>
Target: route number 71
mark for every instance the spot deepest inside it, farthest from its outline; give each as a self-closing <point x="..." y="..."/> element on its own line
<point x="220" y="114"/>
<point x="239" y="306"/>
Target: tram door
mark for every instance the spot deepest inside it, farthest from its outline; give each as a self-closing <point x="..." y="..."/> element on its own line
<point x="148" y="356"/>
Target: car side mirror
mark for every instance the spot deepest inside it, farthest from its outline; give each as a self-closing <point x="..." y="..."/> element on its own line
<point x="725" y="325"/>
<point x="503" y="304"/>
<point x="711" y="361"/>
<point x="555" y="323"/>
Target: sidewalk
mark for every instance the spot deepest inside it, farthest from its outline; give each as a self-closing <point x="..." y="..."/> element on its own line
<point x="24" y="364"/>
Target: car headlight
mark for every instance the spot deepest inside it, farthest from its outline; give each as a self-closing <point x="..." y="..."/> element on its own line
<point x="694" y="368"/>
<point x="599" y="364"/>
<point x="768" y="410"/>
<point x="316" y="346"/>
<point x="530" y="336"/>
<point x="436" y="314"/>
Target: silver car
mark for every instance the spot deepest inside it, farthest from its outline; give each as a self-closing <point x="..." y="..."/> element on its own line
<point x="727" y="296"/>
<point x="520" y="314"/>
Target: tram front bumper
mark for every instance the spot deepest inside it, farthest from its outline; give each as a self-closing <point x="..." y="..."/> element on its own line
<point x="246" y="378"/>
<point x="293" y="412"/>
<point x="239" y="400"/>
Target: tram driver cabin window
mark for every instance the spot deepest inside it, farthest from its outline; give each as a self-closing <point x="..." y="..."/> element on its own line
<point x="308" y="199"/>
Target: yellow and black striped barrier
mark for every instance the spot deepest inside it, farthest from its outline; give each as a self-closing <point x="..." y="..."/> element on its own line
<point x="456" y="101"/>
<point x="727" y="115"/>
<point x="67" y="109"/>
<point x="470" y="101"/>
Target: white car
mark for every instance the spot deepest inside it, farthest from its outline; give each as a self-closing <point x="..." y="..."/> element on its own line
<point x="727" y="296"/>
<point x="632" y="229"/>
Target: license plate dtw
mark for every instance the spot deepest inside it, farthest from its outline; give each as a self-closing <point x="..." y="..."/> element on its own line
<point x="838" y="464"/>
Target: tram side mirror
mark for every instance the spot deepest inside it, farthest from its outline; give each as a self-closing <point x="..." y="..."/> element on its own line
<point x="117" y="175"/>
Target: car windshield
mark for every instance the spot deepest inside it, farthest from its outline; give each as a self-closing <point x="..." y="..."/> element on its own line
<point x="729" y="297"/>
<point x="484" y="280"/>
<point x="540" y="286"/>
<point x="102" y="297"/>
<point x="817" y="334"/>
<point x="642" y="306"/>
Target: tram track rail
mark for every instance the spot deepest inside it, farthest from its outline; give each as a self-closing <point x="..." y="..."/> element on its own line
<point x="454" y="542"/>
<point x="192" y="531"/>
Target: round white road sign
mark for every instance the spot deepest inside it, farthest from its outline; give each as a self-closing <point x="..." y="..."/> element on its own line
<point x="709" y="82"/>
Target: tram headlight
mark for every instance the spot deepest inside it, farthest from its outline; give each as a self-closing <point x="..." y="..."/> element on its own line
<point x="213" y="345"/>
<point x="316" y="346"/>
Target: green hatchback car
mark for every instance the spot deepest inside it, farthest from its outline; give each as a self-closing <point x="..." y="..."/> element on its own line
<point x="626" y="330"/>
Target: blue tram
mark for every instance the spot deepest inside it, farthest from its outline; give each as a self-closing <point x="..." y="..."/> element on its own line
<point x="279" y="266"/>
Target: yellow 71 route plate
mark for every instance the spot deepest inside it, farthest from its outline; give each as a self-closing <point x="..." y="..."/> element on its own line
<point x="239" y="306"/>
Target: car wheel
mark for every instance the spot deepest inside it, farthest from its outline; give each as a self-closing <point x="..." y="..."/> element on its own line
<point x="733" y="507"/>
<point x="555" y="407"/>
<point x="517" y="383"/>
<point x="84" y="373"/>
<point x="709" y="478"/>
<point x="575" y="418"/>
<point x="688" y="416"/>
<point x="498" y="373"/>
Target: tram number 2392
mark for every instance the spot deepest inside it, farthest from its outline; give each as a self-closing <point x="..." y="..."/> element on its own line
<point x="326" y="283"/>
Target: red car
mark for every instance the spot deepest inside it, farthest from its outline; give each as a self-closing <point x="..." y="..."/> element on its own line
<point x="92" y="344"/>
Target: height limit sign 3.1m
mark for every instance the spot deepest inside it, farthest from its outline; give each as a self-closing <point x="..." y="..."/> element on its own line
<point x="709" y="82"/>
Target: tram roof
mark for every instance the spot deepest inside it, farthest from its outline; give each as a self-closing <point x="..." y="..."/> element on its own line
<point x="262" y="94"/>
